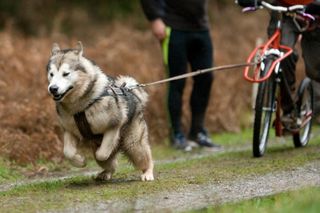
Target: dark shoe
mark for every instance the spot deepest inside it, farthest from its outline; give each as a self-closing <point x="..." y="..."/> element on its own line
<point x="179" y="142"/>
<point x="204" y="141"/>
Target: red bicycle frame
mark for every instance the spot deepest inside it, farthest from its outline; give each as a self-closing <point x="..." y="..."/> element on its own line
<point x="255" y="77"/>
<point x="272" y="43"/>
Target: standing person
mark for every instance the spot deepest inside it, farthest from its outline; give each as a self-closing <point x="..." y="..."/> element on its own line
<point x="182" y="28"/>
<point x="310" y="45"/>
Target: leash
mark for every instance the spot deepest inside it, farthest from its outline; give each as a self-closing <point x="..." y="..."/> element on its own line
<point x="186" y="75"/>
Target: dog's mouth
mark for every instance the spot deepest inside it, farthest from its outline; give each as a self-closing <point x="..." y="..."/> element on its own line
<point x="59" y="97"/>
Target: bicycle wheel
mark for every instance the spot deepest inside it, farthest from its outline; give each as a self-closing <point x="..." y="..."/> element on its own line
<point x="264" y="107"/>
<point x="305" y="109"/>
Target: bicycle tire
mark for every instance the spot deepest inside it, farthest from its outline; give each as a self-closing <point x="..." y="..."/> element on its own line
<point x="264" y="107"/>
<point x="305" y="109"/>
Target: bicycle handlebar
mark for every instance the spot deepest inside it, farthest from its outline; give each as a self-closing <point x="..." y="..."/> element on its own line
<point x="299" y="9"/>
<point x="281" y="8"/>
<point x="263" y="4"/>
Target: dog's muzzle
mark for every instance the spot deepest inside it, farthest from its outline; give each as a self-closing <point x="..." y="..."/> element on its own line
<point x="54" y="91"/>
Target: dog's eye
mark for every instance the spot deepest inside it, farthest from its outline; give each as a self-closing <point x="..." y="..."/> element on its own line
<point x="65" y="74"/>
<point x="51" y="74"/>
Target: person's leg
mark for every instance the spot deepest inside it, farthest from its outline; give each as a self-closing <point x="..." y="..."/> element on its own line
<point x="175" y="59"/>
<point x="289" y="38"/>
<point x="311" y="51"/>
<point x="200" y="55"/>
<point x="316" y="101"/>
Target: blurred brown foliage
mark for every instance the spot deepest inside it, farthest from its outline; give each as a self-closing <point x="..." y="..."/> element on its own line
<point x="28" y="125"/>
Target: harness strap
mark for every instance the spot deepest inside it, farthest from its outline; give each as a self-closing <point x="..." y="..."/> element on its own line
<point x="84" y="127"/>
<point x="81" y="120"/>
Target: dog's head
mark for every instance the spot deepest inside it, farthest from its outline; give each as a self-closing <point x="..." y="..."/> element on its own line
<point x="66" y="71"/>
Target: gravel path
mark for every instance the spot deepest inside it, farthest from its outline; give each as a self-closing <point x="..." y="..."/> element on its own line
<point x="55" y="176"/>
<point x="196" y="196"/>
<point x="200" y="196"/>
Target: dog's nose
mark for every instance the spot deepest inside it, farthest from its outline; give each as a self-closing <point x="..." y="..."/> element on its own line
<point x="53" y="89"/>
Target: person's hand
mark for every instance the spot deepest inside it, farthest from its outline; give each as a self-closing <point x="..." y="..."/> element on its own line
<point x="158" y="28"/>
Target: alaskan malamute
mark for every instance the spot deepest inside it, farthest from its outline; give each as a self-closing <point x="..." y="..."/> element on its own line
<point x="99" y="110"/>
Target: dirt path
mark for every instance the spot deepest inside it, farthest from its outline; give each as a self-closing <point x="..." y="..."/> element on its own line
<point x="195" y="196"/>
<point x="54" y="176"/>
<point x="201" y="196"/>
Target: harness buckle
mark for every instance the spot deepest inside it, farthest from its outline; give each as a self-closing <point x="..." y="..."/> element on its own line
<point x="116" y="90"/>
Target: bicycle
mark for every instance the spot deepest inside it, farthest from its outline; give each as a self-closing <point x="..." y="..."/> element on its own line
<point x="267" y="73"/>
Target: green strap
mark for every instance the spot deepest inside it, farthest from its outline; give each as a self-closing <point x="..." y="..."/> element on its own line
<point x="165" y="55"/>
<point x="165" y="46"/>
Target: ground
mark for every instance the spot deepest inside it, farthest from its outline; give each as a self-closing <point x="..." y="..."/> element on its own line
<point x="184" y="181"/>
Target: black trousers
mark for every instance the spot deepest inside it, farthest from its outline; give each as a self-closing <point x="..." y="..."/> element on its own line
<point x="310" y="45"/>
<point x="180" y="49"/>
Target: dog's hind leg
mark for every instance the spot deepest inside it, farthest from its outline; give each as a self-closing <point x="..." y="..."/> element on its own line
<point x="70" y="150"/>
<point x="136" y="147"/>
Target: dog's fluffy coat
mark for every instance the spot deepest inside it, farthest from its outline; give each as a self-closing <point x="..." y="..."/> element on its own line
<point x="77" y="85"/>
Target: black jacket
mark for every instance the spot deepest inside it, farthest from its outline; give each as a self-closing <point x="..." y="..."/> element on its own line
<point x="178" y="14"/>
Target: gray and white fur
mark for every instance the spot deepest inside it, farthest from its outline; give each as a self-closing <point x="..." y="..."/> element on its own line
<point x="78" y="85"/>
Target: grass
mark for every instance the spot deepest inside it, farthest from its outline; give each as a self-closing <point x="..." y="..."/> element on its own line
<point x="305" y="200"/>
<point x="181" y="170"/>
<point x="7" y="173"/>
<point x="234" y="139"/>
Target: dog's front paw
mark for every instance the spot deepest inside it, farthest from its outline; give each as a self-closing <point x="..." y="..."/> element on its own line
<point x="101" y="155"/>
<point x="105" y="175"/>
<point x="147" y="176"/>
<point x="78" y="161"/>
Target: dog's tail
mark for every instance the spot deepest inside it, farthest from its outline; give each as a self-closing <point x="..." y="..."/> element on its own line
<point x="139" y="92"/>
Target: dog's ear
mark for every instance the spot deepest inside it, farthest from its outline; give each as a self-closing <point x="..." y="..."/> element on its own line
<point x="79" y="48"/>
<point x="55" y="49"/>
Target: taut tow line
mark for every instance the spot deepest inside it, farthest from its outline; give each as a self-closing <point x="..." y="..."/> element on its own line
<point x="191" y="74"/>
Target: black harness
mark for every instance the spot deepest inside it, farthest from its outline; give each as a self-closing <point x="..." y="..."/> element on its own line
<point x="81" y="119"/>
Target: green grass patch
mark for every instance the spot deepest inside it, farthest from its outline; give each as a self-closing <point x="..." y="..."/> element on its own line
<point x="7" y="172"/>
<point x="305" y="200"/>
<point x="234" y="139"/>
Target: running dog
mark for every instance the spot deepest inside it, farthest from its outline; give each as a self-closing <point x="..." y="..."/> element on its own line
<point x="96" y="108"/>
